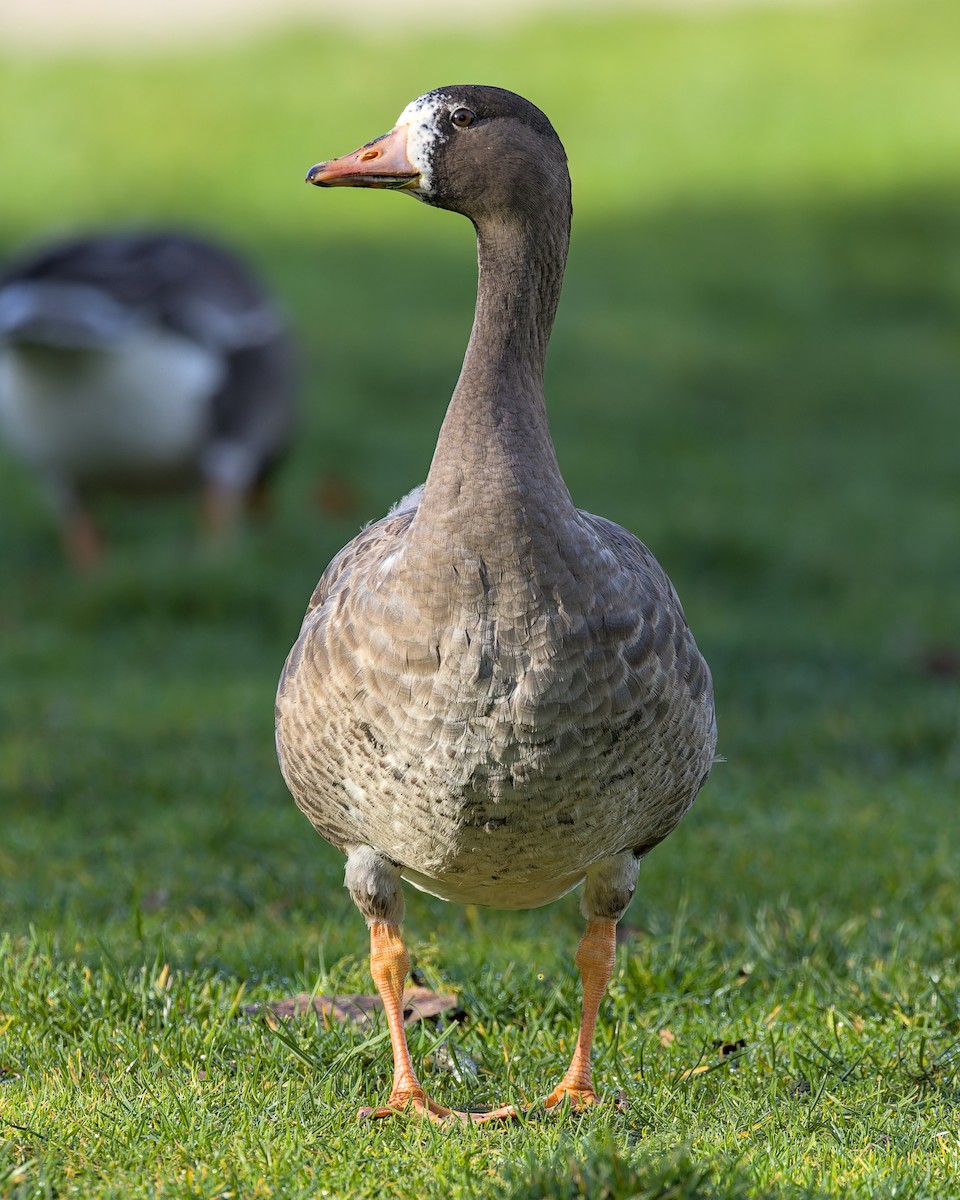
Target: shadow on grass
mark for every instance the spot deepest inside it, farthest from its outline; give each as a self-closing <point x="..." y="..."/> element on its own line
<point x="752" y="384"/>
<point x="766" y="395"/>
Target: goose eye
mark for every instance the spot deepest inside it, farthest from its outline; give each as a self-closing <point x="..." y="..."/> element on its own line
<point x="462" y="117"/>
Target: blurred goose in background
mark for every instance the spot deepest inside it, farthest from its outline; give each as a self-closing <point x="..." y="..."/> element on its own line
<point x="141" y="360"/>
<point x="494" y="694"/>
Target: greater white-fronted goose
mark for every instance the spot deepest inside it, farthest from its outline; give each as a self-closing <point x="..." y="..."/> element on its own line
<point x="138" y="360"/>
<point x="494" y="695"/>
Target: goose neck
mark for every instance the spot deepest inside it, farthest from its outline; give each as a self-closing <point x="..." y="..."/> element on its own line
<point x="495" y="468"/>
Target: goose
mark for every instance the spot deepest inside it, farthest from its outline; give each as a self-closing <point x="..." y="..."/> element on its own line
<point x="494" y="695"/>
<point x="139" y="359"/>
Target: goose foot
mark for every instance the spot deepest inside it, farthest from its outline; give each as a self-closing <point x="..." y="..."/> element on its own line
<point x="418" y="1102"/>
<point x="578" y="1098"/>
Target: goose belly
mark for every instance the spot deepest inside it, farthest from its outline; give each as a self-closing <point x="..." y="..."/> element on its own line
<point x="497" y="815"/>
<point x="138" y="408"/>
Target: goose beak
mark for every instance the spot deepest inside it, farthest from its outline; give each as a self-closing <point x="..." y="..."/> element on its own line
<point x="379" y="164"/>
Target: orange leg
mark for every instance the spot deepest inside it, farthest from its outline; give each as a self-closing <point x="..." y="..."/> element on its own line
<point x="219" y="512"/>
<point x="595" y="958"/>
<point x="389" y="963"/>
<point x="81" y="539"/>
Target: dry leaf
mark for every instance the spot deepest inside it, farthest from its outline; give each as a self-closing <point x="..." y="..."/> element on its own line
<point x="666" y="1036"/>
<point x="336" y="495"/>
<point x="419" y="1004"/>
<point x="695" y="1071"/>
<point x="941" y="662"/>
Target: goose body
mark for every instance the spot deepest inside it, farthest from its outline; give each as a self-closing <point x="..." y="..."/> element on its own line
<point x="494" y="694"/>
<point x="89" y="416"/>
<point x="141" y="360"/>
<point x="496" y="723"/>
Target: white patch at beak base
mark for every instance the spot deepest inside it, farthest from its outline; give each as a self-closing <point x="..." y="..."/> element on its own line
<point x="422" y="120"/>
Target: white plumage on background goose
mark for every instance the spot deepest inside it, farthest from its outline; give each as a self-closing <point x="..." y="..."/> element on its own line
<point x="494" y="695"/>
<point x="139" y="360"/>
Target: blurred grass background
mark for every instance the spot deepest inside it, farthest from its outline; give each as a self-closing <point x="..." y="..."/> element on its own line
<point x="756" y="368"/>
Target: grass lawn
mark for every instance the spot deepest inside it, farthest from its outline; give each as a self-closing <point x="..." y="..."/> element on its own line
<point x="756" y="367"/>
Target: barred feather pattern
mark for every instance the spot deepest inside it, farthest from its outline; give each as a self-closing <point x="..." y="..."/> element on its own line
<point x="495" y="729"/>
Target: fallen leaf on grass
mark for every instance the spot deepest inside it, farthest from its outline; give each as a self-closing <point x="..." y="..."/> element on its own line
<point x="336" y="496"/>
<point x="666" y="1036"/>
<point x="941" y="662"/>
<point x="419" y="1004"/>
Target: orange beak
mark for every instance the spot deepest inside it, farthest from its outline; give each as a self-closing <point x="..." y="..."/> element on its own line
<point x="380" y="164"/>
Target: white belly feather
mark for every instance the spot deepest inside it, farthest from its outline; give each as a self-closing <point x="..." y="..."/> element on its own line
<point x="140" y="406"/>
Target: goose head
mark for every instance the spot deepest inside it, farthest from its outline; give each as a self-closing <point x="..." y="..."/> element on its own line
<point x="478" y="150"/>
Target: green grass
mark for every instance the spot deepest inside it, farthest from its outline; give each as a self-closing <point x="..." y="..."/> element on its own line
<point x="756" y="368"/>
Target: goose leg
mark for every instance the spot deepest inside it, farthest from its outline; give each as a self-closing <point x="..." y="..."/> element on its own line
<point x="609" y="889"/>
<point x="220" y="509"/>
<point x="595" y="958"/>
<point x="389" y="964"/>
<point x="81" y="539"/>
